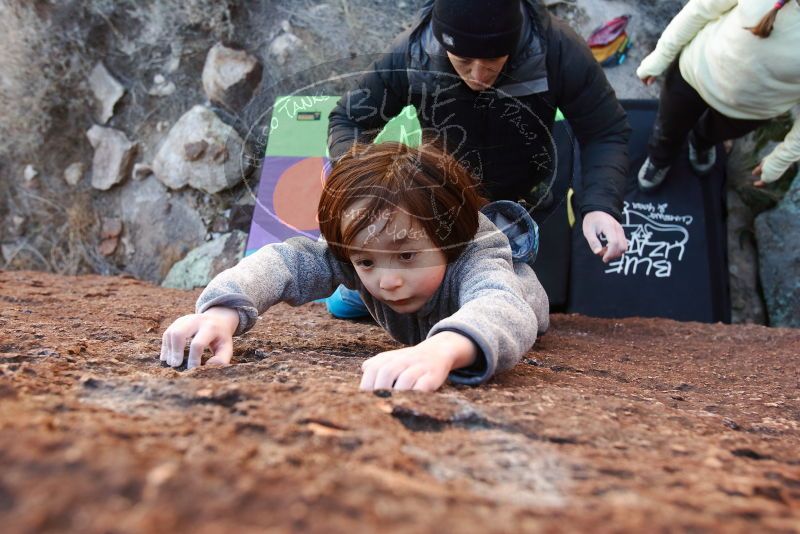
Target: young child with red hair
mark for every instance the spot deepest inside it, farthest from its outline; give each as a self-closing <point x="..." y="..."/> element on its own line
<point x="438" y="268"/>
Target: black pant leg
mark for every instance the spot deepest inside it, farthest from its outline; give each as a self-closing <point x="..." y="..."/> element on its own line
<point x="679" y="109"/>
<point x="714" y="127"/>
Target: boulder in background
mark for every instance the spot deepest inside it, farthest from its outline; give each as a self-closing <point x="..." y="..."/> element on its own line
<point x="180" y="162"/>
<point x="747" y="305"/>
<point x="113" y="155"/>
<point x="778" y="237"/>
<point x="206" y="261"/>
<point x="230" y="76"/>
<point x="107" y="90"/>
<point x="161" y="227"/>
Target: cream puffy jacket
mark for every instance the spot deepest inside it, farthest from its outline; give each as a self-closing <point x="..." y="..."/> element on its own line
<point x="737" y="73"/>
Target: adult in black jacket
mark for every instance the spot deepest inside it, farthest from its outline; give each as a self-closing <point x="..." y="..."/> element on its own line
<point x="486" y="77"/>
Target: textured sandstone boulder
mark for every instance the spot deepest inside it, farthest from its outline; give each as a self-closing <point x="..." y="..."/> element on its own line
<point x="206" y="261"/>
<point x="161" y="228"/>
<point x="230" y="76"/>
<point x="747" y="305"/>
<point x="196" y="151"/>
<point x="778" y="236"/>
<point x="113" y="156"/>
<point x="107" y="90"/>
<point x="606" y="425"/>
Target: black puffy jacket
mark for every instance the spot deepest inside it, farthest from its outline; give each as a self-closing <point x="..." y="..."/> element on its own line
<point x="501" y="134"/>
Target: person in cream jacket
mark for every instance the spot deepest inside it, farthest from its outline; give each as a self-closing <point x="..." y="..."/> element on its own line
<point x="730" y="67"/>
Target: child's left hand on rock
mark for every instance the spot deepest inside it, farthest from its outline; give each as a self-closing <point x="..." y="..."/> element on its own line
<point x="423" y="367"/>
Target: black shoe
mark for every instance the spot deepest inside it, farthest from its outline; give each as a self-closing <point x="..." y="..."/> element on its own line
<point x="650" y="176"/>
<point x="702" y="161"/>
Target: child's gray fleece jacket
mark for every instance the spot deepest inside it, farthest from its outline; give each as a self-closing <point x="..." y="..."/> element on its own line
<point x="496" y="301"/>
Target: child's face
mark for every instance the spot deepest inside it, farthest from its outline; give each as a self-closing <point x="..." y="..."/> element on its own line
<point x="396" y="261"/>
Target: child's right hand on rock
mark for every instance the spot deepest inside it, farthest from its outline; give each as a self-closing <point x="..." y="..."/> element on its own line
<point x="213" y="328"/>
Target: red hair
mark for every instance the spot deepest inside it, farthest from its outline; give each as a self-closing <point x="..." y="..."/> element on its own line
<point x="425" y="182"/>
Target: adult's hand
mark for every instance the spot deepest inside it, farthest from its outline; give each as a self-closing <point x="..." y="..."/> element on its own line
<point x="649" y="80"/>
<point x="600" y="223"/>
<point x="757" y="173"/>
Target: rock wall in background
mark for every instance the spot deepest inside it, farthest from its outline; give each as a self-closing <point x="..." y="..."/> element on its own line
<point x="126" y="127"/>
<point x="777" y="232"/>
<point x="747" y="304"/>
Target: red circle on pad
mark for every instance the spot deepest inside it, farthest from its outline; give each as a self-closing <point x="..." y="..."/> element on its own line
<point x="296" y="195"/>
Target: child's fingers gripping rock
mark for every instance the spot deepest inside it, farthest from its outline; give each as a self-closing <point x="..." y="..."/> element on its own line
<point x="223" y="351"/>
<point x="388" y="373"/>
<point x="213" y="328"/>
<point x="410" y="376"/>
<point x="428" y="382"/>
<point x="379" y="372"/>
<point x="173" y="342"/>
<point x="370" y="370"/>
<point x="368" y="377"/>
<point x="201" y="340"/>
<point x="418" y="368"/>
<point x="164" y="346"/>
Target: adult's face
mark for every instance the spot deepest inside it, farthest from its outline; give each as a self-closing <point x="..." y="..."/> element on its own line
<point x="478" y="74"/>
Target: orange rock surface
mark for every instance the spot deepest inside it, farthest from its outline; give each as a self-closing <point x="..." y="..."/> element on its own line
<point x="608" y="425"/>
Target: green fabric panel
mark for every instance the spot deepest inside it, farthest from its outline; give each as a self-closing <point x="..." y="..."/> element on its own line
<point x="404" y="128"/>
<point x="299" y="126"/>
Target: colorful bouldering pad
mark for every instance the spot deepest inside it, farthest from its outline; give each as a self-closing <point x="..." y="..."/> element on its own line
<point x="295" y="163"/>
<point x="676" y="263"/>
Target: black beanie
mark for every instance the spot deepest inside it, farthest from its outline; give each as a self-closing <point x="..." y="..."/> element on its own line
<point x="477" y="28"/>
